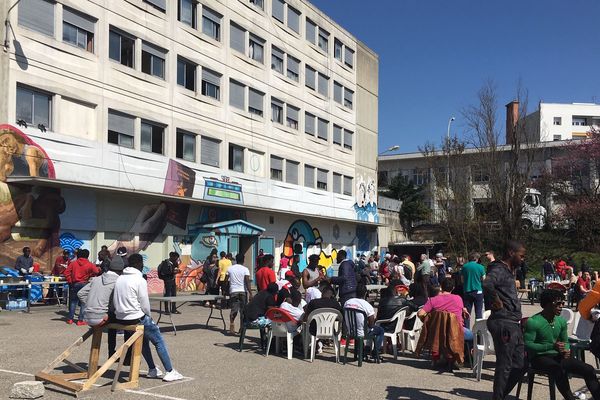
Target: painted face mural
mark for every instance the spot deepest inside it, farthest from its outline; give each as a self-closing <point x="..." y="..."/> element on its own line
<point x="366" y="200"/>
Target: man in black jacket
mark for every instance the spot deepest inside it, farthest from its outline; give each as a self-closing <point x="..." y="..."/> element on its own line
<point x="500" y="295"/>
<point x="167" y="271"/>
<point x="346" y="279"/>
<point x="393" y="299"/>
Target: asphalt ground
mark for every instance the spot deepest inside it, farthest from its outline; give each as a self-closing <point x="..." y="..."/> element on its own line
<point x="214" y="369"/>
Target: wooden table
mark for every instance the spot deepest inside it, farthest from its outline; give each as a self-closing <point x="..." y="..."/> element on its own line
<point x="183" y="299"/>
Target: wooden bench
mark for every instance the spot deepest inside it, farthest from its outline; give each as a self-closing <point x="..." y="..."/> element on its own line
<point x="89" y="377"/>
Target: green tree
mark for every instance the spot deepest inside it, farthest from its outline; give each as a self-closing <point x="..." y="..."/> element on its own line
<point x="413" y="207"/>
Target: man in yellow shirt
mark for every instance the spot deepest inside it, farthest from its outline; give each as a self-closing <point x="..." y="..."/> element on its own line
<point x="224" y="264"/>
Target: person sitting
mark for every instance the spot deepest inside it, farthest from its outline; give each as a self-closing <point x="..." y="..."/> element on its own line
<point x="584" y="285"/>
<point x="293" y="305"/>
<point x="132" y="307"/>
<point x="96" y="296"/>
<point x="366" y="328"/>
<point x="285" y="288"/>
<point x="547" y="345"/>
<point x="327" y="300"/>
<point x="255" y="310"/>
<point x="393" y="299"/>
<point x="24" y="263"/>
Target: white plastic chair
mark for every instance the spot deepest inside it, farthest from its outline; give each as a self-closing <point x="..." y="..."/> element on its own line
<point x="279" y="319"/>
<point x="569" y="316"/>
<point x="399" y="318"/>
<point x="484" y="345"/>
<point x="325" y="319"/>
<point x="410" y="337"/>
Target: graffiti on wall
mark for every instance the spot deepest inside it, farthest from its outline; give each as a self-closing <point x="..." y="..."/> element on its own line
<point x="70" y="242"/>
<point x="366" y="200"/>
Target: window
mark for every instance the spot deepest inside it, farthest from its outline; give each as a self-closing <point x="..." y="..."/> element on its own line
<point x="291" y="172"/>
<point x="78" y="29"/>
<point x="596" y="122"/>
<point x="309" y="124"/>
<point x="120" y="129"/>
<point x="311" y="31"/>
<point x="153" y="60"/>
<point x="34" y="107"/>
<point x="237" y="96"/>
<point x="557" y="120"/>
<point x="278" y="10"/>
<point x="323" y="40"/>
<point x="349" y="57"/>
<point x="236" y="158"/>
<point x="276" y="168"/>
<point x="337" y="183"/>
<point x="309" y="176"/>
<point x="322" y="179"/>
<point x="209" y="151"/>
<point x="186" y="12"/>
<point x="579" y="121"/>
<point x="276" y="111"/>
<point x="348" y="139"/>
<point x="419" y="177"/>
<point x="348" y="98"/>
<point x="186" y="73"/>
<point x="337" y="135"/>
<point x="237" y="38"/>
<point x="291" y="118"/>
<point x="293" y="19"/>
<point x="323" y="127"/>
<point x="348" y="185"/>
<point x="258" y="4"/>
<point x="121" y="48"/>
<point x="338" y="89"/>
<point x="255" y="102"/>
<point x="323" y="85"/>
<point x="338" y="48"/>
<point x="211" y="23"/>
<point x="309" y="78"/>
<point x="256" y="48"/>
<point x="211" y="84"/>
<point x="37" y="15"/>
<point x="293" y="68"/>
<point x="479" y="174"/>
<point x="152" y="137"/>
<point x="159" y="4"/>
<point x="185" y="145"/>
<point x="277" y="59"/>
<point x="557" y="138"/>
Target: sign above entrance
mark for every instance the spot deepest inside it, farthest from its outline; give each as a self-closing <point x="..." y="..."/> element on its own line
<point x="223" y="190"/>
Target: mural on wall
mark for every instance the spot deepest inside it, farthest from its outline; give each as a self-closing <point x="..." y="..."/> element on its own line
<point x="180" y="181"/>
<point x="366" y="200"/>
<point x="223" y="190"/>
<point x="29" y="216"/>
<point x="70" y="242"/>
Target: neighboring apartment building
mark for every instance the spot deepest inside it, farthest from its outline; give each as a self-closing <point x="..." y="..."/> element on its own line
<point x="554" y="121"/>
<point x="187" y="125"/>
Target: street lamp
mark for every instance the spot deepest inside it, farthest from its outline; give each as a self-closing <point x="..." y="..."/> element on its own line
<point x="393" y="148"/>
<point x="7" y="28"/>
<point x="448" y="144"/>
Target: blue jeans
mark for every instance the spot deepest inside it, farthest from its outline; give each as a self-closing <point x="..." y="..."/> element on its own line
<point x="473" y="299"/>
<point x="152" y="334"/>
<point x="376" y="332"/>
<point x="468" y="334"/>
<point x="74" y="300"/>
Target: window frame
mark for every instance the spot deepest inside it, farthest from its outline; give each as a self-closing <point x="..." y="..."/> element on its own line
<point x="183" y="134"/>
<point x="194" y="5"/>
<point x="207" y="16"/>
<point x="122" y="35"/>
<point x="33" y="92"/>
<point x="233" y="148"/>
<point x="153" y="125"/>
<point x="187" y="64"/>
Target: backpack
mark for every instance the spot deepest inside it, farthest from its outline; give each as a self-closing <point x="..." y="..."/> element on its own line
<point x="164" y="272"/>
<point x="407" y="272"/>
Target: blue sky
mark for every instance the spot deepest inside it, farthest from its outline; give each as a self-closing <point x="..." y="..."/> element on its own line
<point x="434" y="55"/>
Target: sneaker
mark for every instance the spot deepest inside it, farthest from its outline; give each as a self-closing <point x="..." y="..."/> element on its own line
<point x="70" y="322"/>
<point x="155" y="373"/>
<point x="172" y="375"/>
<point x="81" y="323"/>
<point x="319" y="347"/>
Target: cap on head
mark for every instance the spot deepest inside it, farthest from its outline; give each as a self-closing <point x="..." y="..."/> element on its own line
<point x="122" y="251"/>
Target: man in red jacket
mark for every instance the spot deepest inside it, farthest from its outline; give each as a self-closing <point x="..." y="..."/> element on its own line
<point x="265" y="274"/>
<point x="78" y="273"/>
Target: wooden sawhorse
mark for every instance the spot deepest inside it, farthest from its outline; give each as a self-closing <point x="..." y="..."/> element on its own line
<point x="94" y="373"/>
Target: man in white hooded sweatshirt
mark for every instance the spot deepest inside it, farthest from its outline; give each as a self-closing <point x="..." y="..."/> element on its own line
<point x="132" y="306"/>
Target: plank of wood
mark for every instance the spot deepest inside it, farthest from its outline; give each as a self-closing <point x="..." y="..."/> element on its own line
<point x="56" y="380"/>
<point x="95" y="352"/>
<point x="136" y="358"/>
<point x="67" y="352"/>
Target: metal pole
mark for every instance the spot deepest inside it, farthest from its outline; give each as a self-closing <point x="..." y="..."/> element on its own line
<point x="448" y="144"/>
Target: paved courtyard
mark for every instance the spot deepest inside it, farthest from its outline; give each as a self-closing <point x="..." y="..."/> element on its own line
<point x="214" y="369"/>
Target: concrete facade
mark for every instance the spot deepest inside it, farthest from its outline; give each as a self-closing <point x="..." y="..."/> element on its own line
<point x="554" y="121"/>
<point x="107" y="193"/>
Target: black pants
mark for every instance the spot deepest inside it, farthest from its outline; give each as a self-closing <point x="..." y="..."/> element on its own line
<point x="559" y="368"/>
<point x="170" y="290"/>
<point x="510" y="354"/>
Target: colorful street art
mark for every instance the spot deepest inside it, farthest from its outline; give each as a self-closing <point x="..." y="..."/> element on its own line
<point x="303" y="240"/>
<point x="69" y="242"/>
<point x="366" y="200"/>
<point x="223" y="190"/>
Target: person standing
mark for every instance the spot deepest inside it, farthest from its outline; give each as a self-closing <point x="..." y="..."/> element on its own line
<point x="547" y="344"/>
<point x="311" y="276"/>
<point x="500" y="295"/>
<point x="239" y="288"/>
<point x="132" y="307"/>
<point x="473" y="274"/>
<point x="224" y="264"/>
<point x="167" y="271"/>
<point x="346" y="279"/>
<point x="211" y="275"/>
<point x="24" y="263"/>
<point x="78" y="273"/>
<point x="60" y="264"/>
<point x="265" y="274"/>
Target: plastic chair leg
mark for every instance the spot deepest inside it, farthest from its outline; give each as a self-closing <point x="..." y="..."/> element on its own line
<point x="336" y="346"/>
<point x="242" y="337"/>
<point x="346" y="351"/>
<point x="277" y="345"/>
<point x="359" y="348"/>
<point x="290" y="345"/>
<point x="313" y="350"/>
<point x="552" y="386"/>
<point x="269" y="339"/>
<point x="394" y="346"/>
<point x="530" y="380"/>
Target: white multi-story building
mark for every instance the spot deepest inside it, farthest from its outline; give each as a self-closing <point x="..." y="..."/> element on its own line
<point x="187" y="125"/>
<point x="554" y="121"/>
